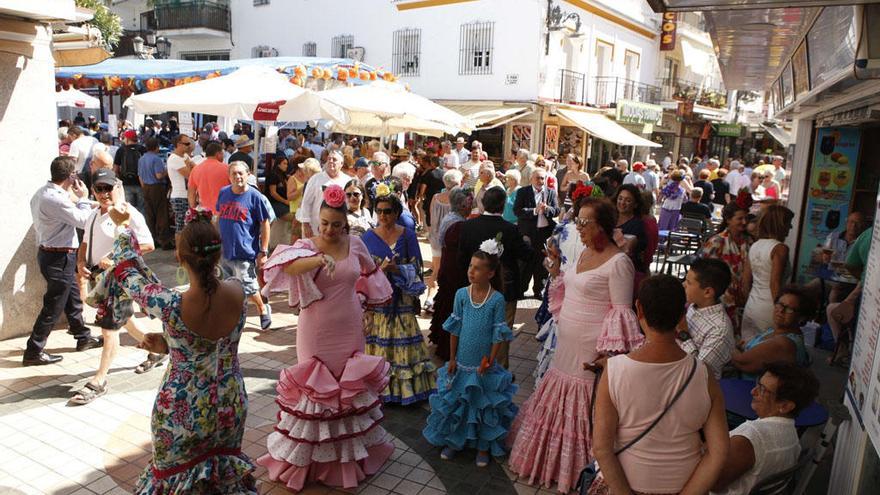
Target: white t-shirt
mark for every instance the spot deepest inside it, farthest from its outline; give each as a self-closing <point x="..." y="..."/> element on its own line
<point x="310" y="208"/>
<point x="105" y="234"/>
<point x="635" y="179"/>
<point x="178" y="181"/>
<point x="80" y="149"/>
<point x="776" y="446"/>
<point x="450" y="160"/>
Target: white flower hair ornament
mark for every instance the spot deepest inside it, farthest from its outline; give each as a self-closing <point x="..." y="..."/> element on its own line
<point x="492" y="246"/>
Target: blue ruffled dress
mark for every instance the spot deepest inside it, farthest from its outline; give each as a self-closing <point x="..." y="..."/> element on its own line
<point x="472" y="410"/>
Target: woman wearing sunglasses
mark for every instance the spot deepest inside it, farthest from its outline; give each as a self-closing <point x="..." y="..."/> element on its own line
<point x="359" y="218"/>
<point x="392" y="329"/>
<point x="784" y="340"/>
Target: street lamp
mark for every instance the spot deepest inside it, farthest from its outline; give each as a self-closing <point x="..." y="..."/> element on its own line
<point x="556" y="20"/>
<point x="163" y="47"/>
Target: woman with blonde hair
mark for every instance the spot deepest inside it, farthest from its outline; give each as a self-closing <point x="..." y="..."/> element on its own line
<point x="769" y="266"/>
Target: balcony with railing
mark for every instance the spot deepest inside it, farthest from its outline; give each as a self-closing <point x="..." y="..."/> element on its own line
<point x="707" y="95"/>
<point x="207" y="16"/>
<point x="572" y="87"/>
<point x="609" y="90"/>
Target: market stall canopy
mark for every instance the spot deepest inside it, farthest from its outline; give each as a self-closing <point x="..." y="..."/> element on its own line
<point x="488" y="116"/>
<point x="781" y="135"/>
<point x="713" y="5"/>
<point x="602" y="127"/>
<point x="380" y="109"/>
<point x="76" y="99"/>
<point x="252" y="90"/>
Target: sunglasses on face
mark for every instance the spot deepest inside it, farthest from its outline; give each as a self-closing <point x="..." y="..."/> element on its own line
<point x="103" y="188"/>
<point x="353" y="194"/>
<point x="583" y="222"/>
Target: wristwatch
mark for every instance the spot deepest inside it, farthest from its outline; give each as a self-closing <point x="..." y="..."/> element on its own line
<point x="684" y="336"/>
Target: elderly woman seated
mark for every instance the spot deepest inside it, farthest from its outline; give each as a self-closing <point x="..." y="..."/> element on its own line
<point x="768" y="445"/>
<point x="782" y="342"/>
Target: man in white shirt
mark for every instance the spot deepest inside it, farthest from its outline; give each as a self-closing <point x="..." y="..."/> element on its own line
<point x="93" y="257"/>
<point x="471" y="171"/>
<point x="310" y="208"/>
<point x="768" y="445"/>
<point x="463" y="154"/>
<point x="80" y="147"/>
<point x="733" y="177"/>
<point x="635" y="177"/>
<point x="450" y="159"/>
<point x="179" y="166"/>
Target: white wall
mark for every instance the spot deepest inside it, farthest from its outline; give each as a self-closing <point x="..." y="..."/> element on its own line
<point x="372" y="22"/>
<point x="129" y="12"/>
<point x="28" y="143"/>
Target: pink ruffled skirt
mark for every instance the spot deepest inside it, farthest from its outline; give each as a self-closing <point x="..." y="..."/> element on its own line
<point x="551" y="434"/>
<point x="328" y="429"/>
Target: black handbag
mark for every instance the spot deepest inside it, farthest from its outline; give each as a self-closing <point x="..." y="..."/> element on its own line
<point x="589" y="473"/>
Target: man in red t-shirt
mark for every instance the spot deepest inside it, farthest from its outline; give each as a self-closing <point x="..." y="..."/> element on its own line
<point x="207" y="178"/>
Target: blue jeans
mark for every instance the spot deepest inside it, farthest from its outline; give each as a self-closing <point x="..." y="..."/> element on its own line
<point x="134" y="195"/>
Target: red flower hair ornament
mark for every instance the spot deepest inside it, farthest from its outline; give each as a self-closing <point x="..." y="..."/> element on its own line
<point x="334" y="196"/>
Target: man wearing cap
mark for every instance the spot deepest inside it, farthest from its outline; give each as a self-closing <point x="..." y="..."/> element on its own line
<point x="125" y="165"/>
<point x="92" y="259"/>
<point x="636" y="178"/>
<point x="153" y="175"/>
<point x="362" y="171"/>
<point x="56" y="218"/>
<point x="208" y="178"/>
<point x="244" y="146"/>
<point x="463" y="154"/>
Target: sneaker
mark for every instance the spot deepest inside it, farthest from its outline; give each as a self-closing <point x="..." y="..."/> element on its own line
<point x="447" y="453"/>
<point x="482" y="459"/>
<point x="266" y="318"/>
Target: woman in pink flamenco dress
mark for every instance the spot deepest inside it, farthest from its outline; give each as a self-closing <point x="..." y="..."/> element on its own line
<point x="592" y="301"/>
<point x="330" y="410"/>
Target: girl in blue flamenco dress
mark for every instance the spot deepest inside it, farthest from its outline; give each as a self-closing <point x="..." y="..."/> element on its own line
<point x="473" y="406"/>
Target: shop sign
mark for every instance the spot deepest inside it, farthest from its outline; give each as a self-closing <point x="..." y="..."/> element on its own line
<point x="636" y="112"/>
<point x="830" y="189"/>
<point x="667" y="32"/>
<point x="729" y="130"/>
<point x="268" y="110"/>
<point x="668" y="123"/>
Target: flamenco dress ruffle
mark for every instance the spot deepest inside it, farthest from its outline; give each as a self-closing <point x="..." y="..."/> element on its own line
<point x="329" y="429"/>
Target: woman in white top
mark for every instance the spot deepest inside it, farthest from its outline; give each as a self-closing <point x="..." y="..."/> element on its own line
<point x="768" y="445"/>
<point x="769" y="268"/>
<point x="179" y="167"/>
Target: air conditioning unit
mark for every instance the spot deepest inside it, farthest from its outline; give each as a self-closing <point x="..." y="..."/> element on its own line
<point x="868" y="56"/>
<point x="355" y="53"/>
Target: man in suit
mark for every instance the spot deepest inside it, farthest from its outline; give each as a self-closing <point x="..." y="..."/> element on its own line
<point x="488" y="226"/>
<point x="536" y="207"/>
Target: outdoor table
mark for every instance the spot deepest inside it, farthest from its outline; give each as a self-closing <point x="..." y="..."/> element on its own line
<point x="738" y="400"/>
<point x="828" y="274"/>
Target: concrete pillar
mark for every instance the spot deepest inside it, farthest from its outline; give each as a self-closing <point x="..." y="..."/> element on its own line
<point x="28" y="143"/>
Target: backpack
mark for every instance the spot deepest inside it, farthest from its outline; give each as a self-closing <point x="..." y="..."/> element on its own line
<point x="128" y="168"/>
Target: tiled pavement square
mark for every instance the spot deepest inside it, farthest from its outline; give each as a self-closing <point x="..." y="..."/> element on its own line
<point x="102" y="448"/>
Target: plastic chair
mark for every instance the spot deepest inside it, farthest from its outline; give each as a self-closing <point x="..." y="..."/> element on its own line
<point x="782" y="483"/>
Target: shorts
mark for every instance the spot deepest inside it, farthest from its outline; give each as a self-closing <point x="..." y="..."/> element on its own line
<point x="243" y="270"/>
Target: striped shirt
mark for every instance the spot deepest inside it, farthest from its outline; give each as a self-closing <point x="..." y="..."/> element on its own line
<point x="711" y="336"/>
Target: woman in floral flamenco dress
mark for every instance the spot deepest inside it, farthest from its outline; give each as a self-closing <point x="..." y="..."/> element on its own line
<point x="199" y="414"/>
<point x="330" y="410"/>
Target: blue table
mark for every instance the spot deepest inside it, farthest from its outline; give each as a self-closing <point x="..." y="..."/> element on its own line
<point x="738" y="400"/>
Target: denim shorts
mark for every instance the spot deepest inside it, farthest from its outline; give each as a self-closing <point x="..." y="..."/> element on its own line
<point x="243" y="270"/>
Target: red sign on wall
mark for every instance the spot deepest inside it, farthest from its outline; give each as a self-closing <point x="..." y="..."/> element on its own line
<point x="268" y="110"/>
<point x="667" y="32"/>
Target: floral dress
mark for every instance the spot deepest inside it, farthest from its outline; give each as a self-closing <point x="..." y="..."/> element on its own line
<point x="733" y="253"/>
<point x="392" y="329"/>
<point x="199" y="414"/>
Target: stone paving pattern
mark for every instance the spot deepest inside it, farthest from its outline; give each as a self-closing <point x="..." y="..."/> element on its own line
<point x="102" y="448"/>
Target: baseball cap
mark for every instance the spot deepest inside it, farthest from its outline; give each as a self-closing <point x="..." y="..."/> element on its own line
<point x="638" y="166"/>
<point x="130" y="134"/>
<point x="361" y="163"/>
<point x="104" y="176"/>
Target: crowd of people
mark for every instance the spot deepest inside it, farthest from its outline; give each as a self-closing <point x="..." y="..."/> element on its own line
<point x="348" y="258"/>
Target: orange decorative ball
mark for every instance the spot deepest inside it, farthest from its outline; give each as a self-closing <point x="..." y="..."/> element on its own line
<point x="326" y="74"/>
<point x="317" y="72"/>
<point x="352" y="72"/>
<point x="299" y="70"/>
<point x="373" y="76"/>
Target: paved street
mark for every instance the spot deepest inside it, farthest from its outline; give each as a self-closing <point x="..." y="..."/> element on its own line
<point x="103" y="447"/>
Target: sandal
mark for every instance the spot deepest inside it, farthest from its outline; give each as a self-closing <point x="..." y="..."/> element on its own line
<point x="88" y="393"/>
<point x="447" y="453"/>
<point x="152" y="361"/>
<point x="482" y="459"/>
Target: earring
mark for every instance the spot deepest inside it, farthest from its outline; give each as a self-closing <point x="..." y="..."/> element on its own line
<point x="182" y="277"/>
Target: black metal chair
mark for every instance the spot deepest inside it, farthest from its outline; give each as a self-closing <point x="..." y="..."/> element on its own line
<point x="782" y="483"/>
<point x="680" y="252"/>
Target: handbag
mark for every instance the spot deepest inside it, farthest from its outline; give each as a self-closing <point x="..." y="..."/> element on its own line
<point x="589" y="473"/>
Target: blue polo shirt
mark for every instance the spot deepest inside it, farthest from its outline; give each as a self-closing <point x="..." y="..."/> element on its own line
<point x="149" y="165"/>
